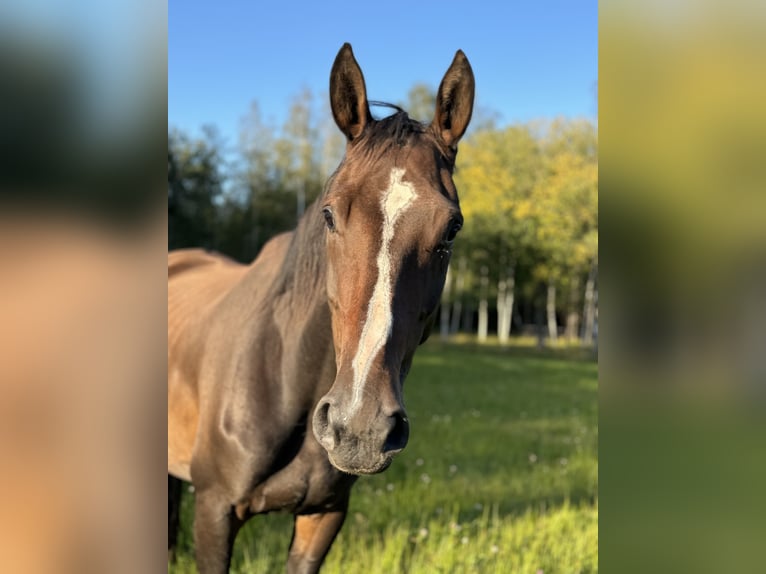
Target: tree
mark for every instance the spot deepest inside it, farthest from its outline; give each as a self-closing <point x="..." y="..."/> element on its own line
<point x="280" y="173"/>
<point x="195" y="181"/>
<point x="498" y="171"/>
<point x="566" y="214"/>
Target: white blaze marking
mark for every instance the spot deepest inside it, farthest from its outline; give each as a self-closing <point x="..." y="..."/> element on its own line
<point x="380" y="320"/>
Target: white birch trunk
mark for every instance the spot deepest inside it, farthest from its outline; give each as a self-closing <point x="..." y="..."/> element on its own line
<point x="483" y="307"/>
<point x="501" y="288"/>
<point x="573" y="317"/>
<point x="550" y="309"/>
<point x="505" y="306"/>
<point x="457" y="305"/>
<point x="444" y="313"/>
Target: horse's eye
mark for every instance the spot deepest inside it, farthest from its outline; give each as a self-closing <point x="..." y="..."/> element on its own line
<point x="452" y="230"/>
<point x="328" y="218"/>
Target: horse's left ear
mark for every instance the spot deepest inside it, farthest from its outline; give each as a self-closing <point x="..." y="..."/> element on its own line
<point x="348" y="94"/>
<point x="454" y="101"/>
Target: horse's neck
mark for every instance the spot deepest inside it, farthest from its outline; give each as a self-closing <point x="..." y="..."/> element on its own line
<point x="303" y="273"/>
<point x="301" y="314"/>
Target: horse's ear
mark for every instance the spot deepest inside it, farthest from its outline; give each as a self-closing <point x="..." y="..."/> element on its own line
<point x="454" y="101"/>
<point x="348" y="95"/>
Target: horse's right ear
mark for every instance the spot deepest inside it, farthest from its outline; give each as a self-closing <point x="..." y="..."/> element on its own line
<point x="348" y="94"/>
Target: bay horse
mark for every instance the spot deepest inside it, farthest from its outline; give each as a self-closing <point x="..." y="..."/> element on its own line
<point x="285" y="376"/>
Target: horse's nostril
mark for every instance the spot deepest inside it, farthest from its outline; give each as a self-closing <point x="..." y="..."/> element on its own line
<point x="335" y="437"/>
<point x="322" y="417"/>
<point x="398" y="435"/>
<point x="322" y="426"/>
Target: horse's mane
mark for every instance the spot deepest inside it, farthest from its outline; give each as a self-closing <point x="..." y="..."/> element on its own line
<point x="304" y="267"/>
<point x="394" y="130"/>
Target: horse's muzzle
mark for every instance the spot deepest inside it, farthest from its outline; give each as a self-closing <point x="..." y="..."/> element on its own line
<point x="360" y="444"/>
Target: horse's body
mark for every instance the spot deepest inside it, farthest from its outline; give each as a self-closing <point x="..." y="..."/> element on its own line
<point x="284" y="376"/>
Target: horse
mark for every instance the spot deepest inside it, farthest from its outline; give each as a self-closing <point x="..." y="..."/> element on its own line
<point x="285" y="376"/>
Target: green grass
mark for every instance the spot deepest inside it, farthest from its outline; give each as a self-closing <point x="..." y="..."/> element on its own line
<point x="500" y="475"/>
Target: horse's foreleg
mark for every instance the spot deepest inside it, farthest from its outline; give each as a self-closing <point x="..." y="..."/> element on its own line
<point x="175" y="489"/>
<point x="312" y="537"/>
<point x="215" y="527"/>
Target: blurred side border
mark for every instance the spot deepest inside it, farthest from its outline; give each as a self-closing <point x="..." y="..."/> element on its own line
<point x="83" y="238"/>
<point x="683" y="215"/>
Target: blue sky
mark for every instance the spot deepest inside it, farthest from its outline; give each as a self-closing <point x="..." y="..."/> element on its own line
<point x="534" y="59"/>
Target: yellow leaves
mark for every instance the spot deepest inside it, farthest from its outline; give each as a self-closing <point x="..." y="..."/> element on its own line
<point x="524" y="209"/>
<point x="494" y="175"/>
<point x="535" y="188"/>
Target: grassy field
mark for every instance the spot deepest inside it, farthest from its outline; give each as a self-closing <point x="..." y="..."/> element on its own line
<point x="500" y="475"/>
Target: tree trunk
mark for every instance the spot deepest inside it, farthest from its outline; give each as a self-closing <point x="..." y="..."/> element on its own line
<point x="505" y="297"/>
<point x="589" y="309"/>
<point x="550" y="310"/>
<point x="457" y="305"/>
<point x="468" y="318"/>
<point x="501" y="288"/>
<point x="457" y="310"/>
<point x="444" y="312"/>
<point x="483" y="306"/>
<point x="573" y="316"/>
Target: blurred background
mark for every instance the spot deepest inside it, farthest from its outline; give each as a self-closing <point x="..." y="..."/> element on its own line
<point x="682" y="364"/>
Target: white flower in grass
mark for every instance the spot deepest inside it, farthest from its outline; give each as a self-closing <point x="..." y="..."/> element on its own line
<point x="494" y="549"/>
<point x="423" y="532"/>
<point x="563" y="461"/>
<point x="390" y="487"/>
<point x="464" y="540"/>
<point x="419" y="462"/>
<point x="425" y="478"/>
<point x="456" y="527"/>
<point x="478" y="506"/>
<point x="191" y="488"/>
<point x="452" y="468"/>
<point x="532" y="458"/>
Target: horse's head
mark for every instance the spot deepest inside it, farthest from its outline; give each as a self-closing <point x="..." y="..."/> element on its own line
<point x="391" y="211"/>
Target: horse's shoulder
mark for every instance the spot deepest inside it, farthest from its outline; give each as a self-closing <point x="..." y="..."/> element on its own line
<point x="273" y="252"/>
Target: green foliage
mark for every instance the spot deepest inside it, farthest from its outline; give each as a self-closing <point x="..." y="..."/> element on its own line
<point x="194" y="186"/>
<point x="566" y="198"/>
<point x="529" y="194"/>
<point x="280" y="172"/>
<point x="501" y="475"/>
